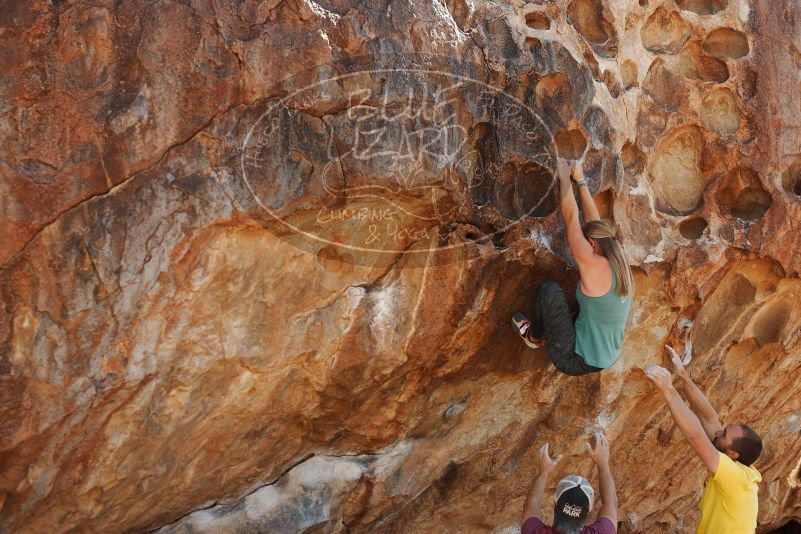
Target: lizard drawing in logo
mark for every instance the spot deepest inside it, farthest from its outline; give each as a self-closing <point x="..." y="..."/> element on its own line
<point x="406" y="151"/>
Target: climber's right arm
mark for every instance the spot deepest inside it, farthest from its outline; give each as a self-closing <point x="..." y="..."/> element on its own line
<point x="702" y="407"/>
<point x="600" y="455"/>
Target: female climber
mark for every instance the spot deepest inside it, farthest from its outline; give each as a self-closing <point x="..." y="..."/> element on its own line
<point x="603" y="293"/>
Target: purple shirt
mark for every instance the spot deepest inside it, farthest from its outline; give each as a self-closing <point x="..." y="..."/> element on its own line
<point x="533" y="525"/>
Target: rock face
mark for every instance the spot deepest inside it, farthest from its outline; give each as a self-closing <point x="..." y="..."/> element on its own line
<point x="258" y="258"/>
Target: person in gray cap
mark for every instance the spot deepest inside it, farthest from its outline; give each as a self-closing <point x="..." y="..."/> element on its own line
<point x="574" y="497"/>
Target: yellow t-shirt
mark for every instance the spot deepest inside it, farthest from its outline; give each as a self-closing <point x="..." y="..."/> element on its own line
<point x="729" y="504"/>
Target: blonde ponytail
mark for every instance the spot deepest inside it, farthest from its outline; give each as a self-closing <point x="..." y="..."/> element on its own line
<point x="603" y="234"/>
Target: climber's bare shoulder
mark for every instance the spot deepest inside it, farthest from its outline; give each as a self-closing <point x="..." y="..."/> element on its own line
<point x="596" y="275"/>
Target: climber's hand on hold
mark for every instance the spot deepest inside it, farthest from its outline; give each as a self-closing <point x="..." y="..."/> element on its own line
<point x="678" y="365"/>
<point x="546" y="462"/>
<point x="578" y="171"/>
<point x="563" y="170"/>
<point x="660" y="377"/>
<point x="600" y="452"/>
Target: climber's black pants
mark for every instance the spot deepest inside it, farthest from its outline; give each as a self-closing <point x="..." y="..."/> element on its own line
<point x="553" y="321"/>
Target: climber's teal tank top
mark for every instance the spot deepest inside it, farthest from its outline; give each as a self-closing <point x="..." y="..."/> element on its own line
<point x="600" y="326"/>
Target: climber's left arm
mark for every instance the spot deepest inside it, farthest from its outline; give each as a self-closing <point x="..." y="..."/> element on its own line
<point x="579" y="246"/>
<point x="686" y="420"/>
<point x="588" y="207"/>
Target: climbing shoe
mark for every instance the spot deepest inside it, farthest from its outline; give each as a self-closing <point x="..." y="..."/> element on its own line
<point x="523" y="326"/>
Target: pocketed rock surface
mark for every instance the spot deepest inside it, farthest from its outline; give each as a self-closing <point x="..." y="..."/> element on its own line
<point x="258" y="259"/>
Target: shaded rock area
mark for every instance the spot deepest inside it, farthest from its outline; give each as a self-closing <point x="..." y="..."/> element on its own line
<point x="257" y="259"/>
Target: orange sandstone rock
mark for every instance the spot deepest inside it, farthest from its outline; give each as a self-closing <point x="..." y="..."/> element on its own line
<point x="257" y="259"/>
